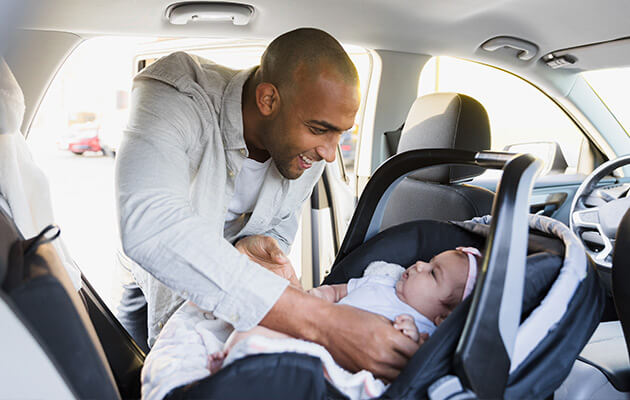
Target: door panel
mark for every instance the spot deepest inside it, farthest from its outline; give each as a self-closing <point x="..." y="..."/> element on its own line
<point x="555" y="191"/>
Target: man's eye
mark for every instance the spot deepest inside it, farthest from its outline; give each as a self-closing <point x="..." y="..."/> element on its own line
<point x="317" y="131"/>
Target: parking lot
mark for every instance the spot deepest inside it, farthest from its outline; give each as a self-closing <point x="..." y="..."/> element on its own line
<point x="82" y="191"/>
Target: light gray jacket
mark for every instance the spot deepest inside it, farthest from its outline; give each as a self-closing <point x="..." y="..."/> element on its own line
<point x="175" y="174"/>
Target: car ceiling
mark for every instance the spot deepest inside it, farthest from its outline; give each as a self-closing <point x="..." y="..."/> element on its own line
<point x="453" y="27"/>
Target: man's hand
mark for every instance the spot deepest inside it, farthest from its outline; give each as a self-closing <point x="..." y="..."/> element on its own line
<point x="359" y="340"/>
<point x="356" y="339"/>
<point x="264" y="250"/>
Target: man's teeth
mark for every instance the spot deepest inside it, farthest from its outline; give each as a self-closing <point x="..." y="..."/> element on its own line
<point x="306" y="159"/>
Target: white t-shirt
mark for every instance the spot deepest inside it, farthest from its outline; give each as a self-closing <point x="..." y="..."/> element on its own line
<point x="377" y="294"/>
<point x="246" y="188"/>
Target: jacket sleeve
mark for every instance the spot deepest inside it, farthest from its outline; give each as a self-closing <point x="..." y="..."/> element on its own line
<point x="285" y="231"/>
<point x="159" y="228"/>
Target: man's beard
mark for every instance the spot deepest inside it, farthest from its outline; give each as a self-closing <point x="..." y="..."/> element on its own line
<point x="284" y="167"/>
<point x="283" y="164"/>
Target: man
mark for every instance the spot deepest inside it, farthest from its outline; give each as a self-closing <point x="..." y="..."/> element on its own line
<point x="210" y="180"/>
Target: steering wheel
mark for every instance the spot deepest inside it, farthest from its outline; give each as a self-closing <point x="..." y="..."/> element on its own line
<point x="595" y="215"/>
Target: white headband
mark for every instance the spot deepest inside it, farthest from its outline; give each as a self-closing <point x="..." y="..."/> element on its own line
<point x="471" y="279"/>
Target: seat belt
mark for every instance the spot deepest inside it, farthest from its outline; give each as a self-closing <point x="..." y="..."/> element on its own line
<point x="449" y="387"/>
<point x="392" y="138"/>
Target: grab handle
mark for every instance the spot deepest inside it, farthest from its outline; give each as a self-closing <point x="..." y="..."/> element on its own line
<point x="182" y="13"/>
<point x="526" y="50"/>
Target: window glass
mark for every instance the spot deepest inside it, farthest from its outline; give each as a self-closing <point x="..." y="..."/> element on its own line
<point x="73" y="138"/>
<point x="612" y="86"/>
<point x="78" y="128"/>
<point x="518" y="112"/>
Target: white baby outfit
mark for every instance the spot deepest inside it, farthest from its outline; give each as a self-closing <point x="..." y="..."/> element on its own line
<point x="376" y="292"/>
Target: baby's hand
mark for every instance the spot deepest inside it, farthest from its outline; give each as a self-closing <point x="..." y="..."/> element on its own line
<point x="324" y="292"/>
<point x="215" y="361"/>
<point x="405" y="324"/>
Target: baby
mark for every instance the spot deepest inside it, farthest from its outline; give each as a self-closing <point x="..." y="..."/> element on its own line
<point x="416" y="301"/>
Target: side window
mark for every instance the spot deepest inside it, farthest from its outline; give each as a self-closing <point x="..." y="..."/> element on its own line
<point x="521" y="117"/>
<point x="73" y="138"/>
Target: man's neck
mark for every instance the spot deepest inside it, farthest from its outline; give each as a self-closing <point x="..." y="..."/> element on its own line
<point x="252" y="123"/>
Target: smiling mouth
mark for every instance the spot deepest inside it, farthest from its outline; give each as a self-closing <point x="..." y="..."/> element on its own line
<point x="305" y="162"/>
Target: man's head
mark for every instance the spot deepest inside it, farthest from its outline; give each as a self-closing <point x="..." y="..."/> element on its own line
<point x="436" y="287"/>
<point x="306" y="96"/>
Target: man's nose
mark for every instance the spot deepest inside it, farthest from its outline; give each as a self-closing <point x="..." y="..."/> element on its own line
<point x="328" y="149"/>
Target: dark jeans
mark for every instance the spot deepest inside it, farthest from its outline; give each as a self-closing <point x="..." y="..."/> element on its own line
<point x="132" y="314"/>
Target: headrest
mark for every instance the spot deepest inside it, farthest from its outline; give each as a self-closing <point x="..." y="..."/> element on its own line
<point x="446" y="121"/>
<point x="11" y="101"/>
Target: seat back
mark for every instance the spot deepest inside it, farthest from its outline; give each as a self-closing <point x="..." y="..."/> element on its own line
<point x="441" y="120"/>
<point x="621" y="276"/>
<point x="37" y="288"/>
<point x="42" y="285"/>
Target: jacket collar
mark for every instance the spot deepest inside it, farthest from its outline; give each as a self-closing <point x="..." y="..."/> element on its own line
<point x="232" y="111"/>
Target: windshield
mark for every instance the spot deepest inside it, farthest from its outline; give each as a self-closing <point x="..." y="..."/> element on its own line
<point x="612" y="86"/>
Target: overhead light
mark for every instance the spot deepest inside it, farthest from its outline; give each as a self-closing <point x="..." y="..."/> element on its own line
<point x="182" y="13"/>
<point x="560" y="61"/>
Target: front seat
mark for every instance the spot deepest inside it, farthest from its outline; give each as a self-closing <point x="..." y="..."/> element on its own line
<point x="602" y="371"/>
<point x="44" y="295"/>
<point x="441" y="120"/>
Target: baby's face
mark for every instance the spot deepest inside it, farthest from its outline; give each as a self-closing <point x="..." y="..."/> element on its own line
<point x="430" y="287"/>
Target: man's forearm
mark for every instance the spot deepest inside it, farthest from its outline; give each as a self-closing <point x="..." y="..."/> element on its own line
<point x="356" y="339"/>
<point x="298" y="314"/>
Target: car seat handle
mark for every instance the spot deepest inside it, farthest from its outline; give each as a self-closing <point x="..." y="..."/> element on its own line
<point x="484" y="353"/>
<point x="367" y="218"/>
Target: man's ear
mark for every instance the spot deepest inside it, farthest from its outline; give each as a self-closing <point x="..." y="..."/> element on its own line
<point x="267" y="99"/>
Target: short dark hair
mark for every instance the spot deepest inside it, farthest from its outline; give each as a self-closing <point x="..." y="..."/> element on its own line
<point x="310" y="47"/>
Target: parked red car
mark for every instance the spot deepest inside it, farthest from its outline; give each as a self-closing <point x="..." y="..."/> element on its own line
<point x="83" y="137"/>
<point x="81" y="145"/>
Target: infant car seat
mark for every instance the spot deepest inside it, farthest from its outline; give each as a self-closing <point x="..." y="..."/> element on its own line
<point x="483" y="349"/>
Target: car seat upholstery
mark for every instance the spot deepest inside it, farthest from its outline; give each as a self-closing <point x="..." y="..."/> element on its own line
<point x="38" y="289"/>
<point x="441" y="120"/>
<point x="23" y="186"/>
<point x="621" y="277"/>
